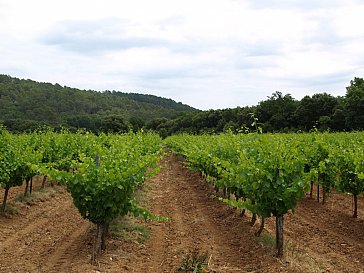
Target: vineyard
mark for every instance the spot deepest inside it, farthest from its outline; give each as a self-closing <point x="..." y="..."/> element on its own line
<point x="100" y="172"/>
<point x="224" y="206"/>
<point x="269" y="174"/>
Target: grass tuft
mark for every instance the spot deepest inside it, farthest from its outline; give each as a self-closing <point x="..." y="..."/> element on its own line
<point x="124" y="228"/>
<point x="37" y="196"/>
<point x="194" y="262"/>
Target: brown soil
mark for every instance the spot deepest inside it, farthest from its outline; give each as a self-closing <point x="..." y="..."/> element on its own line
<point x="328" y="233"/>
<point x="50" y="235"/>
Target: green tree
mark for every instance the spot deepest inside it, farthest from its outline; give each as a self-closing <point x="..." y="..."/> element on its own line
<point x="311" y="109"/>
<point x="276" y="113"/>
<point x="136" y="123"/>
<point x="114" y="124"/>
<point x="338" y="120"/>
<point x="354" y="104"/>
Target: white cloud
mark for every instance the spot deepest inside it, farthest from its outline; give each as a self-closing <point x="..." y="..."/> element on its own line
<point x="210" y="54"/>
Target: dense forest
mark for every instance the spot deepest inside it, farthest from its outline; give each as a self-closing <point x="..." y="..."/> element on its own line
<point x="25" y="105"/>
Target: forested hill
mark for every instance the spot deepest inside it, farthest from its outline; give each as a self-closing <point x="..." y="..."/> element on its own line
<point x="27" y="104"/>
<point x="163" y="102"/>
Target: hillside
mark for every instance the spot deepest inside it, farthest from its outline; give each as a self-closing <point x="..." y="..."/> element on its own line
<point x="26" y="104"/>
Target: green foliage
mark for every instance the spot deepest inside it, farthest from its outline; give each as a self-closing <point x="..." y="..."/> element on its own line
<point x="114" y="124"/>
<point x="18" y="157"/>
<point x="272" y="172"/>
<point x="280" y="113"/>
<point x="123" y="227"/>
<point x="140" y="212"/>
<point x="317" y="110"/>
<point x="26" y="105"/>
<point x="136" y="123"/>
<point x="320" y="162"/>
<point x="355" y="104"/>
<point x="266" y="169"/>
<point x="350" y="169"/>
<point x="101" y="172"/>
<point x="269" y="174"/>
<point x="106" y="171"/>
<point x="194" y="262"/>
<point x="277" y="112"/>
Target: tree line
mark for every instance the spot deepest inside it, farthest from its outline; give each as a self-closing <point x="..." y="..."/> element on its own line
<point x="278" y="113"/>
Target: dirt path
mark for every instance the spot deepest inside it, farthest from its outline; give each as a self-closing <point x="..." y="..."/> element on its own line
<point x="51" y="236"/>
<point x="199" y="224"/>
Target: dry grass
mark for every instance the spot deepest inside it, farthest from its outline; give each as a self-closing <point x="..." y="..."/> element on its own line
<point x="37" y="196"/>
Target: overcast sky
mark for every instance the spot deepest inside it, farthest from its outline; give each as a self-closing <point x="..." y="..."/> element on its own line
<point x="209" y="54"/>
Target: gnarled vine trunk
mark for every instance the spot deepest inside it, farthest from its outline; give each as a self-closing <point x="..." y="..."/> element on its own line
<point x="26" y="186"/>
<point x="355" y="214"/>
<point x="259" y="231"/>
<point x="324" y="196"/>
<point x="99" y="237"/>
<point x="279" y="235"/>
<point x="4" y="200"/>
<point x="243" y="210"/>
<point x="31" y="186"/>
<point x="43" y="182"/>
<point x="99" y="243"/>
<point x="254" y="219"/>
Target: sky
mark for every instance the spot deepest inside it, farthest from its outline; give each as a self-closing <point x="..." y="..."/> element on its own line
<point x="209" y="54"/>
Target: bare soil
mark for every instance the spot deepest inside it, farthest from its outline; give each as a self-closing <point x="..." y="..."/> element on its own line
<point x="49" y="235"/>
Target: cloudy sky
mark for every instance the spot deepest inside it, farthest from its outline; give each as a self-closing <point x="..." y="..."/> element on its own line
<point x="209" y="54"/>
